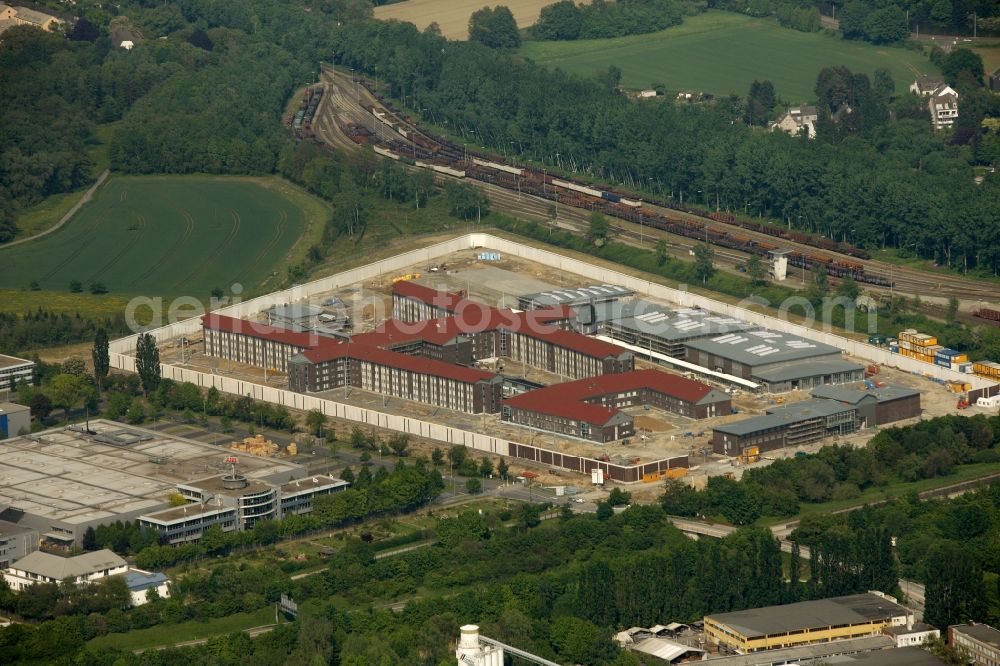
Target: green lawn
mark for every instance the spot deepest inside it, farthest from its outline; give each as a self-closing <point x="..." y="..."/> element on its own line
<point x="173" y="236"/>
<point x="720" y="52"/>
<point x="170" y="634"/>
<point x="989" y="51"/>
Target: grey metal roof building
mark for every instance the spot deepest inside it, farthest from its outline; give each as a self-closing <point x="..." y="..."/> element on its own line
<point x="779" y="361"/>
<point x="875" y="406"/>
<point x="867" y="651"/>
<point x="662" y="329"/>
<point x="980" y="642"/>
<point x="598" y="293"/>
<point x="817" y="621"/>
<point x="53" y="568"/>
<point x="824" y="653"/>
<point x="794" y="424"/>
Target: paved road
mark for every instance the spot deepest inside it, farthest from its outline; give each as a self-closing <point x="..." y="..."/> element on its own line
<point x="87" y="196"/>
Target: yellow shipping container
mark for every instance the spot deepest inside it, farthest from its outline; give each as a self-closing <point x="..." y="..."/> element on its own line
<point x="676" y="472"/>
<point x="986" y="369"/>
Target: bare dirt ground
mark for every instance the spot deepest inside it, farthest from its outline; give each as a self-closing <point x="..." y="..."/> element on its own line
<point x="452" y="16"/>
<point x="651" y="424"/>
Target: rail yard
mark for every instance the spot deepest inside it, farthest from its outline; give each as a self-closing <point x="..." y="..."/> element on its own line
<point x="349" y="113"/>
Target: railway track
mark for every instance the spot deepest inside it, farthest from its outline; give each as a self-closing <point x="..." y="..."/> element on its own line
<point x="346" y="100"/>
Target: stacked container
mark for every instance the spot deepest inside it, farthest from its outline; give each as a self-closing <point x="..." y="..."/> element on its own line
<point x="951" y="359"/>
<point x="987" y="369"/>
<point x="918" y="345"/>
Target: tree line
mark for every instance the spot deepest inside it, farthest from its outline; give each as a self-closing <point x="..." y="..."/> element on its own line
<point x="925" y="450"/>
<point x="946" y="543"/>
<point x="567" y="20"/>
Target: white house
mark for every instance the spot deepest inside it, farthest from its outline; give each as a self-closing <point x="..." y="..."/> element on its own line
<point x="41" y="567"/>
<point x="140" y="582"/>
<point x="912" y="634"/>
<point x="127" y="44"/>
<point x="943" y="105"/>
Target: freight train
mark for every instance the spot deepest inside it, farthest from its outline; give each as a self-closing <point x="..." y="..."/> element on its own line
<point x="439" y="154"/>
<point x="302" y="121"/>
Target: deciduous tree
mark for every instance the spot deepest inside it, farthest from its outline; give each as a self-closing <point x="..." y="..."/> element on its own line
<point x="147" y="362"/>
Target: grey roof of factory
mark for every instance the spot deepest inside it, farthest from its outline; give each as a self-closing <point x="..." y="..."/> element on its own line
<point x="597" y="292"/>
<point x="763" y="347"/>
<point x="906" y="656"/>
<point x="981" y="632"/>
<point x="855" y="396"/>
<point x="12" y="408"/>
<point x="668" y="323"/>
<point x="59" y="568"/>
<point x="784" y="415"/>
<point x="809" y="409"/>
<point x="798" y="369"/>
<point x="824" y="651"/>
<point x="771" y="620"/>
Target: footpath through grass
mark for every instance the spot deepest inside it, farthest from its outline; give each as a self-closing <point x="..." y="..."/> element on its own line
<point x="721" y="52"/>
<point x="171" y="634"/>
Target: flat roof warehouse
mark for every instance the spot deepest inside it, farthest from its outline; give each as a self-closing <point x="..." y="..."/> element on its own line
<point x="61" y="481"/>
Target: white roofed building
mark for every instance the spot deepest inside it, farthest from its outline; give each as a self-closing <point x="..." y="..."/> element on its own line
<point x="41" y="567"/>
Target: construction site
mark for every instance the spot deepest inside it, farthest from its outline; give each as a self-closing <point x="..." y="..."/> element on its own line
<point x="493" y="280"/>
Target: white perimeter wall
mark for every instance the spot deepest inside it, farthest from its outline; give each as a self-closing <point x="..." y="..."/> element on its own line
<point x="121" y="349"/>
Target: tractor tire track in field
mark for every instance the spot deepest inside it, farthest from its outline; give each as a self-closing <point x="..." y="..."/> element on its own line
<point x="233" y="233"/>
<point x="279" y="231"/>
<point x="122" y="252"/>
<point x="79" y="251"/>
<point x="189" y="220"/>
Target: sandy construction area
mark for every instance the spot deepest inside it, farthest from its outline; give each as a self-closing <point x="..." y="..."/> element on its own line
<point x="453" y="15"/>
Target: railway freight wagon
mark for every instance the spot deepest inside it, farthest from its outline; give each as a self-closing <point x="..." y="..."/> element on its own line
<point x="480" y="167"/>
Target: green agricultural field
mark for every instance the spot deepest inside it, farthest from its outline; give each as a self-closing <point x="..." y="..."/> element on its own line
<point x="720" y="53"/>
<point x="172" y="236"/>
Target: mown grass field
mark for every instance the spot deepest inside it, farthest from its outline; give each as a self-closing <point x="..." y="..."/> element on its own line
<point x="720" y="52"/>
<point x="164" y="635"/>
<point x="989" y="51"/>
<point x="171" y="236"/>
